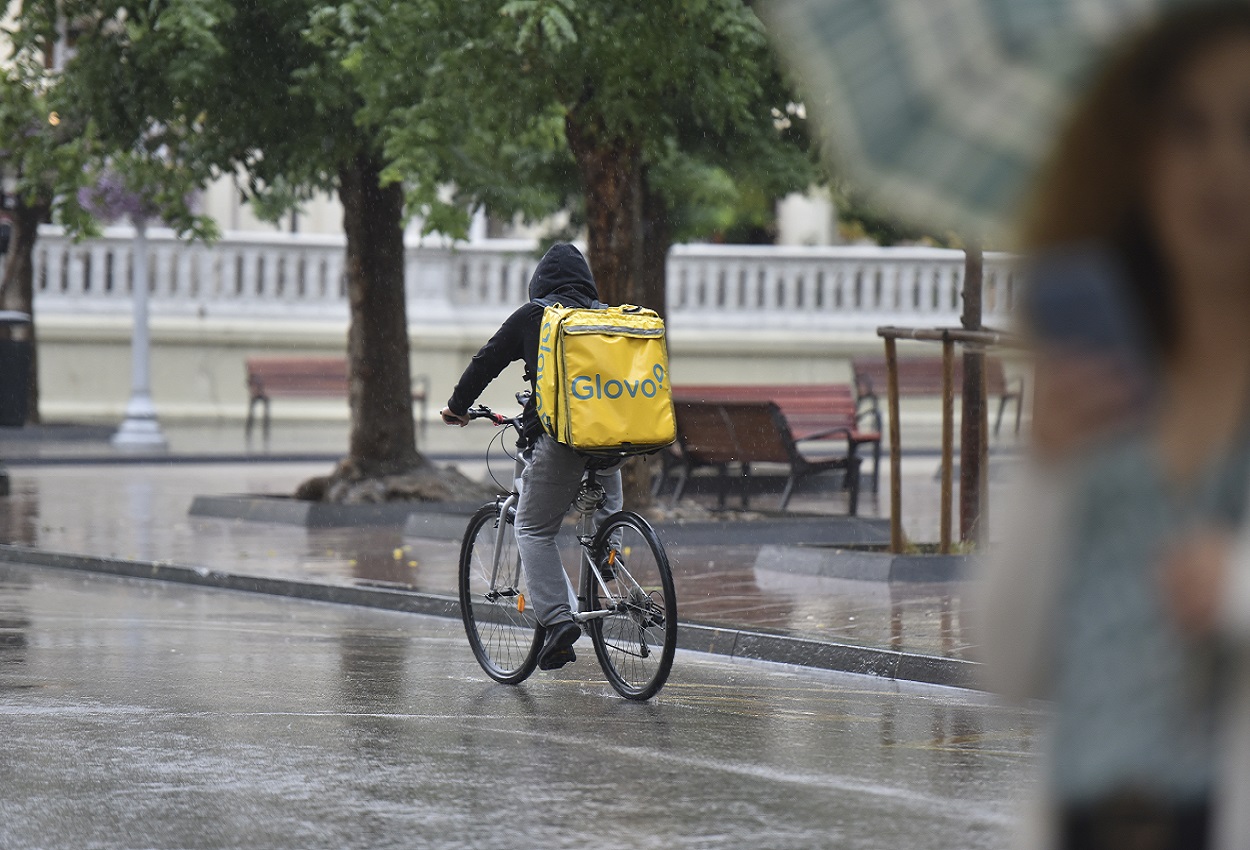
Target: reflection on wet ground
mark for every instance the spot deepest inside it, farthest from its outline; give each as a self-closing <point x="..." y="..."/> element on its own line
<point x="140" y="512"/>
<point x="14" y="619"/>
<point x="164" y="716"/>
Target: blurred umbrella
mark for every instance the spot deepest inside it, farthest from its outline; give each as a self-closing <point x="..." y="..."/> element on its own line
<point x="943" y="109"/>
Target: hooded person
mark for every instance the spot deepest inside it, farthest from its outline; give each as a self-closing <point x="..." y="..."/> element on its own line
<point x="549" y="473"/>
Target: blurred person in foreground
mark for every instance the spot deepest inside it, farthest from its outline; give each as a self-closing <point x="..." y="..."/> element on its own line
<point x="1121" y="591"/>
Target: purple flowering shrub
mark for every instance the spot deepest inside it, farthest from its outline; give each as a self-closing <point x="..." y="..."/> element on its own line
<point x="109" y="199"/>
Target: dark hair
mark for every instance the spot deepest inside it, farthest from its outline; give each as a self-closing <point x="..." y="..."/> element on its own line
<point x="1092" y="187"/>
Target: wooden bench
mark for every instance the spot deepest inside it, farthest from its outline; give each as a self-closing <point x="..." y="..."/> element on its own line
<point x="922" y="376"/>
<point x="305" y="377"/>
<point x="809" y="409"/>
<point x="718" y="434"/>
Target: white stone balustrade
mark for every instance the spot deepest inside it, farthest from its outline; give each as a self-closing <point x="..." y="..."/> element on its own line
<point x="277" y="276"/>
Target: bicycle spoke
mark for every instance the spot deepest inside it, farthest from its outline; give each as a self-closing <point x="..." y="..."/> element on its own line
<point x="501" y="627"/>
<point x="636" y="638"/>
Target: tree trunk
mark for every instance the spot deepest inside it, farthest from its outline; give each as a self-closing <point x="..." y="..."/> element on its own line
<point x="382" y="464"/>
<point x="17" y="284"/>
<point x="611" y="172"/>
<point x="657" y="241"/>
<point x="382" y="441"/>
<point x="972" y="434"/>
<point x="612" y="180"/>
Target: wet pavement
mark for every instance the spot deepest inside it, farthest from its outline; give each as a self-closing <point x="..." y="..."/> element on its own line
<point x="140" y="512"/>
<point x="142" y="714"/>
<point x="87" y="501"/>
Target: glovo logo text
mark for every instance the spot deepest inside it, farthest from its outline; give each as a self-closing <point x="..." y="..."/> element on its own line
<point x="586" y="387"/>
<point x="544" y="348"/>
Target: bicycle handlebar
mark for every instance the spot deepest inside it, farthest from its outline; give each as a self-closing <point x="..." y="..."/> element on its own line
<point x="484" y="412"/>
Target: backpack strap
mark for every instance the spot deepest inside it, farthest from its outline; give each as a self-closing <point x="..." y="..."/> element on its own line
<point x="551" y="302"/>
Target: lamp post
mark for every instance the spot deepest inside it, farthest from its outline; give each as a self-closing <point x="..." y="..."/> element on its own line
<point x="140" y="429"/>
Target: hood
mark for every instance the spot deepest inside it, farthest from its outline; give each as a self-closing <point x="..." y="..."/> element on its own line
<point x="562" y="276"/>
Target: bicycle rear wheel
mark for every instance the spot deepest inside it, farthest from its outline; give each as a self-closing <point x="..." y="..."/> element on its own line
<point x="503" y="630"/>
<point x="636" y="640"/>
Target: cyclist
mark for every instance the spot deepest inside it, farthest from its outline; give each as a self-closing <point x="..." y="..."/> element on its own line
<point x="552" y="472"/>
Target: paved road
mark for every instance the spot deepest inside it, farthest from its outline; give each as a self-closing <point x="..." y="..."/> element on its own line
<point x="144" y="715"/>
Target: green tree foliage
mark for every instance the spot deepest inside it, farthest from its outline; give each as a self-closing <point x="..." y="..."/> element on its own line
<point x="43" y="153"/>
<point x="634" y="101"/>
<point x="860" y="218"/>
<point x="262" y="92"/>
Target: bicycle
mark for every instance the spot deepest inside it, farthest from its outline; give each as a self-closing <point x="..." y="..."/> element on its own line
<point x="625" y="595"/>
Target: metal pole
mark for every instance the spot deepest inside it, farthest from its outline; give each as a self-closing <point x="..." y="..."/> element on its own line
<point x="948" y="441"/>
<point x="971" y="445"/>
<point x="140" y="429"/>
<point x="981" y="530"/>
<point x="896" y="469"/>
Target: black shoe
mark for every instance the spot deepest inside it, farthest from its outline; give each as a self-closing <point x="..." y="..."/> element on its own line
<point x="558" y="647"/>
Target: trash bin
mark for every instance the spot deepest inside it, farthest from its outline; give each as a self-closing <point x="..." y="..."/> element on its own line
<point x="15" y="357"/>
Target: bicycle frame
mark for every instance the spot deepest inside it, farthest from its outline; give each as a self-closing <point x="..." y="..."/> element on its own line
<point x="590" y="498"/>
<point x="628" y="622"/>
<point x="586" y="531"/>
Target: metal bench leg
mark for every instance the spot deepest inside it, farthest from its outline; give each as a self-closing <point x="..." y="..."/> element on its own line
<point x="1002" y="408"/>
<point x="746" y="486"/>
<point x="251" y="415"/>
<point x="852" y="474"/>
<point x="265" y="428"/>
<point x="679" y="489"/>
<point x="789" y="491"/>
<point x="661" y="478"/>
<point x="723" y="478"/>
<point x="667" y="467"/>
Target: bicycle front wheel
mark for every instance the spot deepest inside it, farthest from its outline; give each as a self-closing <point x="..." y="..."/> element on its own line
<point x="502" y="628"/>
<point x="637" y="637"/>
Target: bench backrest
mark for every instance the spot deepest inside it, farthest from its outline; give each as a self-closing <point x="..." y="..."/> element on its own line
<point x="297" y="376"/>
<point x="723" y="432"/>
<point x="760" y="431"/>
<point x="920" y="376"/>
<point x="704" y="432"/>
<point x="808" y="408"/>
<point x="779" y="393"/>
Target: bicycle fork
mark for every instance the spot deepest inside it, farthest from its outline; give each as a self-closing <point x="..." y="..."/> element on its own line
<point x="501" y="533"/>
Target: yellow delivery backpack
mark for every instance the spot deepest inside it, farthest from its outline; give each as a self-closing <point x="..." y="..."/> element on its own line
<point x="602" y="380"/>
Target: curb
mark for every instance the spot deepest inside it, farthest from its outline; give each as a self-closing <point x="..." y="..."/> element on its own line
<point x="290" y="511"/>
<point x="826" y="562"/>
<point x="446" y="521"/>
<point x="714" y="640"/>
<point x="166" y="458"/>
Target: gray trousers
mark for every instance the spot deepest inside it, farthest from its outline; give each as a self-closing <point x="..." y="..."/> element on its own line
<point x="549" y="482"/>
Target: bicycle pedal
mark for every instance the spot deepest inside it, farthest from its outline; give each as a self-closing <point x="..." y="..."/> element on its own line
<point x="607" y="568"/>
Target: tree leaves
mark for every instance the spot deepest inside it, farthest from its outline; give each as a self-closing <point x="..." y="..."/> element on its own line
<point x="542" y="24"/>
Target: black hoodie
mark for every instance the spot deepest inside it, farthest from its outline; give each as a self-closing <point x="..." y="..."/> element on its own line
<point x="561" y="277"/>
